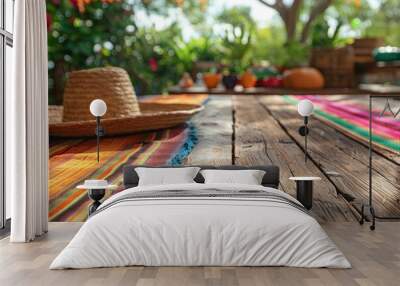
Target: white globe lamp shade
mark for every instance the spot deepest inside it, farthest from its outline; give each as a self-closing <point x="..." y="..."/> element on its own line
<point x="98" y="107"/>
<point x="305" y="107"/>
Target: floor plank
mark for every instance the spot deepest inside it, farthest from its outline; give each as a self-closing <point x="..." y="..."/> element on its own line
<point x="375" y="258"/>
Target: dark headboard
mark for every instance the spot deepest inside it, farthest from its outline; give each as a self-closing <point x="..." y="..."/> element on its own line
<point x="271" y="177"/>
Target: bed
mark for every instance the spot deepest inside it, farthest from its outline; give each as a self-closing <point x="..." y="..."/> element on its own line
<point x="198" y="224"/>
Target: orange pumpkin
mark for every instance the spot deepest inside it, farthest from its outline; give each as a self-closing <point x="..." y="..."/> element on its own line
<point x="248" y="79"/>
<point x="211" y="80"/>
<point x="303" y="78"/>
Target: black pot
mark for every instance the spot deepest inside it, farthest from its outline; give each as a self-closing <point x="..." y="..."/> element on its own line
<point x="229" y="81"/>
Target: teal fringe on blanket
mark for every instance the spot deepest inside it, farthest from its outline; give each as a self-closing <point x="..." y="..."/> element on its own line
<point x="186" y="148"/>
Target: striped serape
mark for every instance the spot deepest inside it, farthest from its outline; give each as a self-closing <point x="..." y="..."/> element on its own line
<point x="352" y="117"/>
<point x="74" y="160"/>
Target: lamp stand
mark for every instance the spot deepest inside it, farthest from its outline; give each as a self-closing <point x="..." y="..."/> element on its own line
<point x="303" y="131"/>
<point x="305" y="138"/>
<point x="99" y="133"/>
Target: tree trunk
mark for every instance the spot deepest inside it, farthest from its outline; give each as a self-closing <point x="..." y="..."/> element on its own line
<point x="290" y="16"/>
<point x="317" y="10"/>
<point x="290" y="28"/>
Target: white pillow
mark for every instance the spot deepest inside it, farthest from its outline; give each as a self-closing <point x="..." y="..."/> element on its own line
<point x="166" y="176"/>
<point x="247" y="177"/>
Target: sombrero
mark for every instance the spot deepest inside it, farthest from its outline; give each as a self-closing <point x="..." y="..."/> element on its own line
<point x="125" y="114"/>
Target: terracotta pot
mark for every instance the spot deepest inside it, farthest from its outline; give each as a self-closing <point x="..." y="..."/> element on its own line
<point x="229" y="81"/>
<point x="248" y="80"/>
<point x="211" y="80"/>
<point x="303" y="78"/>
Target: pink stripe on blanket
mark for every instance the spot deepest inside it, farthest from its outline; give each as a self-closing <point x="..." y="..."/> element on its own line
<point x="389" y="129"/>
<point x="364" y="123"/>
<point x="359" y="111"/>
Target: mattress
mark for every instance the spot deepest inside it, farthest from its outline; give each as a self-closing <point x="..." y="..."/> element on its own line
<point x="201" y="225"/>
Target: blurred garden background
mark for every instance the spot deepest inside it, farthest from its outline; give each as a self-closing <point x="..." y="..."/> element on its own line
<point x="158" y="41"/>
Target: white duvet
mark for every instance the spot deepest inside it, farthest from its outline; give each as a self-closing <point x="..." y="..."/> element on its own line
<point x="200" y="231"/>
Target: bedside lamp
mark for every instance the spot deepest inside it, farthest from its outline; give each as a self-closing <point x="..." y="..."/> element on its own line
<point x="305" y="109"/>
<point x="98" y="108"/>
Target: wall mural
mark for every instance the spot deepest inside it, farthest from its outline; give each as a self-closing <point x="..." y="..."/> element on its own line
<point x="200" y="82"/>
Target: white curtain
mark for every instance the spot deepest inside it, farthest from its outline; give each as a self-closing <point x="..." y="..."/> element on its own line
<point x="27" y="124"/>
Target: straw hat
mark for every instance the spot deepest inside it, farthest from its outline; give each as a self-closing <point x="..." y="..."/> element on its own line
<point x="125" y="114"/>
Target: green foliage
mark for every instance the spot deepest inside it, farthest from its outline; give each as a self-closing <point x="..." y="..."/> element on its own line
<point x="153" y="59"/>
<point x="94" y="38"/>
<point x="199" y="49"/>
<point x="384" y="22"/>
<point x="239" y="29"/>
<point x="292" y="54"/>
<point x="378" y="20"/>
<point x="107" y="34"/>
<point x="269" y="45"/>
<point x="320" y="37"/>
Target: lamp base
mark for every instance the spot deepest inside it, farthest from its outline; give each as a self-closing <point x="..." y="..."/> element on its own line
<point x="304" y="193"/>
<point x="96" y="195"/>
<point x="303" y="130"/>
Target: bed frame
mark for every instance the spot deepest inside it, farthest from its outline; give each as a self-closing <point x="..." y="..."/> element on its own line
<point x="270" y="179"/>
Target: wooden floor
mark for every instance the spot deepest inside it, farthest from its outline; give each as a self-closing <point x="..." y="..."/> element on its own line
<point x="375" y="258"/>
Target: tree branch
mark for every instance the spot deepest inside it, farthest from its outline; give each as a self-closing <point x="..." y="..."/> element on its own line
<point x="270" y="5"/>
<point x="277" y="5"/>
<point x="317" y="10"/>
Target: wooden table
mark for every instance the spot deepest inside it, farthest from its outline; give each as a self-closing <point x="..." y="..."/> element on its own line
<point x="256" y="130"/>
<point x="363" y="89"/>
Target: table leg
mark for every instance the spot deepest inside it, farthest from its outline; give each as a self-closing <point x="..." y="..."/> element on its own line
<point x="96" y="195"/>
<point x="305" y="193"/>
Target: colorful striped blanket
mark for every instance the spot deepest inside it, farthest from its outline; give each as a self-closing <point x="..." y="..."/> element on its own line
<point x="351" y="115"/>
<point x="74" y="160"/>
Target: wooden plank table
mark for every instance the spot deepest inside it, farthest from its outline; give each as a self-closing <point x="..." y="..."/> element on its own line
<point x="214" y="128"/>
<point x="374" y="89"/>
<point x="336" y="153"/>
<point x="252" y="130"/>
<point x="259" y="91"/>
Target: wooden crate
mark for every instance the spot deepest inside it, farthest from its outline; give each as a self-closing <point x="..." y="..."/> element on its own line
<point x="333" y="58"/>
<point x="364" y="47"/>
<point x="338" y="78"/>
<point x="336" y="64"/>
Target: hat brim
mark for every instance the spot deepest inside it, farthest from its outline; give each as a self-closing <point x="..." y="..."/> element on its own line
<point x="153" y="116"/>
